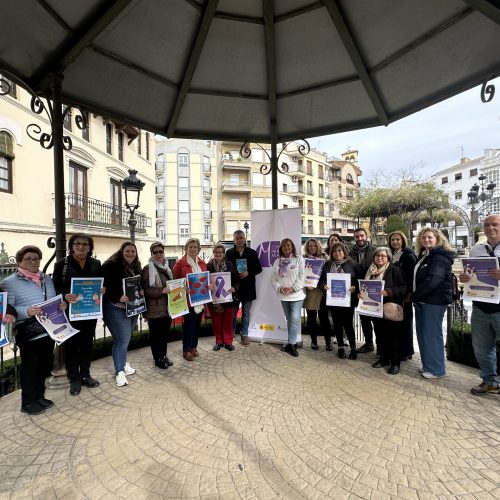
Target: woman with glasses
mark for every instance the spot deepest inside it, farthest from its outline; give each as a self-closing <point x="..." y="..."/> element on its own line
<point x="155" y="275"/>
<point x="389" y="333"/>
<point x="25" y="288"/>
<point x="122" y="264"/>
<point x="79" y="263"/>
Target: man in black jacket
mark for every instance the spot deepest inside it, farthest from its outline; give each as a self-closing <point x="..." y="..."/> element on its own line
<point x="362" y="255"/>
<point x="246" y="260"/>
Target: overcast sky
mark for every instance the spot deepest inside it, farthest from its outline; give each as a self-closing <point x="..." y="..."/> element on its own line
<point x="429" y="140"/>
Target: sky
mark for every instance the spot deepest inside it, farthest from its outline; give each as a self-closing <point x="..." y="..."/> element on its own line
<point x="427" y="141"/>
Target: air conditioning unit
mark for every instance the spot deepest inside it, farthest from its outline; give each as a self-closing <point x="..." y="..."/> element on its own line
<point x="295" y="199"/>
<point x="295" y="178"/>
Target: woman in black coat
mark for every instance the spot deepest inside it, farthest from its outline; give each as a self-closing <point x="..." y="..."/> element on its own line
<point x="404" y="258"/>
<point x="78" y="348"/>
<point x="389" y="333"/>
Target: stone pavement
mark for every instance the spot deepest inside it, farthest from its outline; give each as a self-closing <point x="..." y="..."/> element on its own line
<point x="256" y="423"/>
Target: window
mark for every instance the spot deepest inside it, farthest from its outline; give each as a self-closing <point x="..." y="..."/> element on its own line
<point x="458" y="176"/>
<point x="309" y="168"/>
<point x="86" y="130"/>
<point x="472" y="172"/>
<point x="345" y="224"/>
<point x="77" y="198"/>
<point x="321" y="227"/>
<point x="284" y="188"/>
<point x="8" y="87"/>
<point x="6" y="156"/>
<point x="340" y="191"/>
<point x="184" y="206"/>
<point x="492" y="176"/>
<point x="183" y="233"/>
<point x="182" y="159"/>
<point x="234" y="179"/>
<point x="120" y="146"/>
<point x="67" y="118"/>
<point x="349" y="193"/>
<point x="231" y="227"/>
<point x="160" y="232"/>
<point x="206" y="164"/>
<point x="458" y="195"/>
<point x="235" y="203"/>
<point x="349" y="179"/>
<point x="444" y="180"/>
<point x="109" y="138"/>
<point x="183" y="189"/>
<point x="139" y="144"/>
<point x="147" y="146"/>
<point x="206" y="232"/>
<point x="116" y="201"/>
<point x="310" y="191"/>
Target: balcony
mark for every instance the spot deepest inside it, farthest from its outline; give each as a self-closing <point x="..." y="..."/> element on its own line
<point x="207" y="192"/>
<point x="207" y="170"/>
<point x="160" y="166"/>
<point x="238" y="187"/>
<point x="231" y="163"/>
<point x="321" y="212"/>
<point x="160" y="190"/>
<point x="321" y="175"/>
<point x="310" y="191"/>
<point x="207" y="214"/>
<point x="160" y="213"/>
<point x="310" y="211"/>
<point x="321" y="194"/>
<point x="296" y="190"/>
<point x="296" y="170"/>
<point x="96" y="213"/>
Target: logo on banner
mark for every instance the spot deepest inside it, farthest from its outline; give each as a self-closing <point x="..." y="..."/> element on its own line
<point x="268" y="252"/>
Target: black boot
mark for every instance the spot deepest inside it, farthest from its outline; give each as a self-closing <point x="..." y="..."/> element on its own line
<point x="394" y="369"/>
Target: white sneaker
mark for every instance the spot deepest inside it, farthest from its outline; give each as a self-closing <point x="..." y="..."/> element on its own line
<point x="421" y="369"/>
<point x="128" y="369"/>
<point x="430" y="375"/>
<point x="121" y="380"/>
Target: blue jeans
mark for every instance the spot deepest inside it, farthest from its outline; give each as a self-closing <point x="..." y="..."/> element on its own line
<point x="190" y="330"/>
<point x="292" y="310"/>
<point x="429" y="325"/>
<point x="485" y="333"/>
<point x="121" y="329"/>
<point x="245" y="316"/>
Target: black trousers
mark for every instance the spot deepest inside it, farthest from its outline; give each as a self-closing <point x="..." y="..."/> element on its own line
<point x="343" y="323"/>
<point x="78" y="350"/>
<point x="158" y="331"/>
<point x="312" y="325"/>
<point x="389" y="335"/>
<point x="37" y="359"/>
<point x="366" y="326"/>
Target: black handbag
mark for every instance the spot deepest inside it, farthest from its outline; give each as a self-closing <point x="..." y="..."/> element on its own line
<point x="28" y="330"/>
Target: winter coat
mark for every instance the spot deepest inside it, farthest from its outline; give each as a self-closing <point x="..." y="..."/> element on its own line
<point x="247" y="292"/>
<point x="156" y="300"/>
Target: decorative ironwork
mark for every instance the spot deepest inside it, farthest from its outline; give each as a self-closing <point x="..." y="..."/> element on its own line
<point x="5" y="86"/>
<point x="303" y="148"/>
<point x="34" y="131"/>
<point x="487" y="92"/>
<point x="51" y="243"/>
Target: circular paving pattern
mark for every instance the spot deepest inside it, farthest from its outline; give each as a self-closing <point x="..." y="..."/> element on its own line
<point x="256" y="423"/>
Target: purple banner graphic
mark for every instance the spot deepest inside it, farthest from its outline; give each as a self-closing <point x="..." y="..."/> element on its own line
<point x="222" y="286"/>
<point x="268" y="252"/>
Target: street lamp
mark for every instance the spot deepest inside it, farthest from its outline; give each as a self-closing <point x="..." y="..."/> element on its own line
<point x="133" y="187"/>
<point x="480" y="195"/>
<point x="246" y="227"/>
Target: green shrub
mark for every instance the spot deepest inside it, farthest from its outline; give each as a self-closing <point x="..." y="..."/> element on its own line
<point x="459" y="345"/>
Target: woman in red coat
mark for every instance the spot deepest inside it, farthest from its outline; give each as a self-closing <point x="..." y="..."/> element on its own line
<point x="190" y="263"/>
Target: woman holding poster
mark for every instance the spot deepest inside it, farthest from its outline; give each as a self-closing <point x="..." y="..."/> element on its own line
<point x="288" y="281"/>
<point x="78" y="348"/>
<point x="341" y="263"/>
<point x="222" y="313"/>
<point x="190" y="263"/>
<point x="154" y="283"/>
<point x="25" y="288"/>
<point x="122" y="264"/>
<point x="313" y="266"/>
<point x="389" y="333"/>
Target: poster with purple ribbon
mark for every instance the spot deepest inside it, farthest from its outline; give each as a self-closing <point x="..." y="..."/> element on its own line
<point x="222" y="284"/>
<point x="481" y="287"/>
<point x="55" y="321"/>
<point x="371" y="303"/>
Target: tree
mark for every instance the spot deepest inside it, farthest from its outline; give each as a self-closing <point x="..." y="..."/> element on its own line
<point x="396" y="223"/>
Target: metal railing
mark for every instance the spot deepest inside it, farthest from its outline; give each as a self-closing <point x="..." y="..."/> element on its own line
<point x="83" y="210"/>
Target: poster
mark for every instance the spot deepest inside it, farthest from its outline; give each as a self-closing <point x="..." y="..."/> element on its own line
<point x="221" y="283"/>
<point x="88" y="303"/>
<point x="136" y="302"/>
<point x="312" y="272"/>
<point x="54" y="320"/>
<point x="197" y="284"/>
<point x="241" y="265"/>
<point x="481" y="287"/>
<point x="338" y="293"/>
<point x="371" y="303"/>
<point x="177" y="298"/>
<point x="267" y="319"/>
<point x="3" y="312"/>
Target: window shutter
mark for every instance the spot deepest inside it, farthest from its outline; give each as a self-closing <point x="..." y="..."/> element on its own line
<point x="6" y="145"/>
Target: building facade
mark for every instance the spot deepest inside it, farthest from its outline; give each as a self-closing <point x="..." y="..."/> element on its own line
<point x="94" y="167"/>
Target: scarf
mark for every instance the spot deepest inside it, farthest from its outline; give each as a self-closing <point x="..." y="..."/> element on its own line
<point x="221" y="267"/>
<point x="35" y="277"/>
<point x="195" y="268"/>
<point x="338" y="265"/>
<point x="396" y="256"/>
<point x="154" y="275"/>
<point x="375" y="273"/>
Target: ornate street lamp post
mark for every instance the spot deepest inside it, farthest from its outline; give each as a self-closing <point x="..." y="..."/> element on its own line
<point x="480" y="196"/>
<point x="132" y="187"/>
<point x="246" y="227"/>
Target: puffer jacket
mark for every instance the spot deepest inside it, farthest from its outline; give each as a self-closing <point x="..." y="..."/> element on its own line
<point x="156" y="300"/>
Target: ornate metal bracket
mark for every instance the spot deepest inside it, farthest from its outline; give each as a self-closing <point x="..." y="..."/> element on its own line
<point x="487" y="92"/>
<point x="5" y="86"/>
<point x="51" y="243"/>
<point x="303" y="149"/>
<point x="45" y="139"/>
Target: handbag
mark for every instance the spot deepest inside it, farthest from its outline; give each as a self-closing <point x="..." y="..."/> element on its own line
<point x="393" y="312"/>
<point x="28" y="330"/>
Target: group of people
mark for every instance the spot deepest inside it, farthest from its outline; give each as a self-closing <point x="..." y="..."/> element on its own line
<point x="417" y="282"/>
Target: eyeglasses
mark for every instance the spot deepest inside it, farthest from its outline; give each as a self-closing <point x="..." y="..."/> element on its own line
<point x="158" y="252"/>
<point x="31" y="259"/>
<point x="80" y="244"/>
